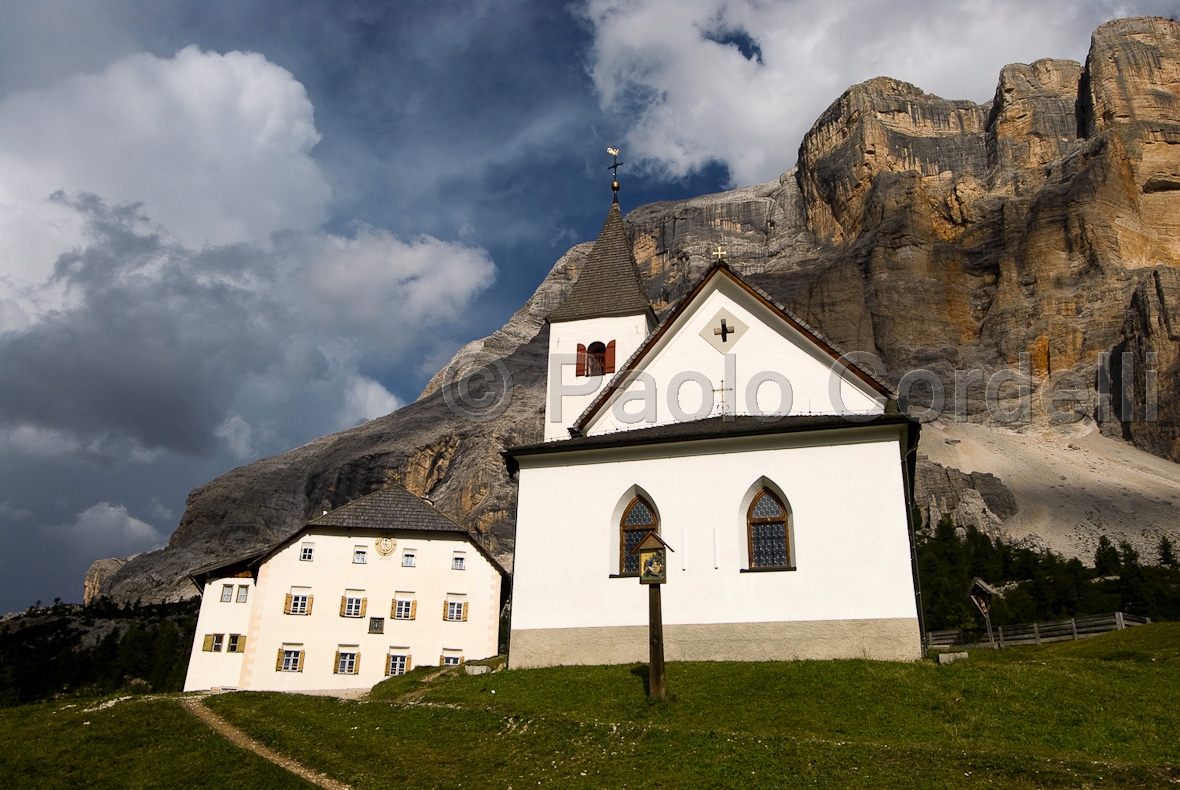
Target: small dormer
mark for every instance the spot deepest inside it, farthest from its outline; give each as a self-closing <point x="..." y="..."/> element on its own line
<point x="602" y="322"/>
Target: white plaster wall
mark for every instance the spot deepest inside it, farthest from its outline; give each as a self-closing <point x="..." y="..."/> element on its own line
<point x="851" y="542"/>
<point x="332" y="572"/>
<point x="208" y="670"/>
<point x="628" y="332"/>
<point x="768" y="344"/>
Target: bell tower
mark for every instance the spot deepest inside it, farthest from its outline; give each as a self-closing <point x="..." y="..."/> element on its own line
<point x="601" y="323"/>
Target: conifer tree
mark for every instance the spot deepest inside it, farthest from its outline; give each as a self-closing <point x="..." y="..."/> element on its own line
<point x="1166" y="554"/>
<point x="1106" y="558"/>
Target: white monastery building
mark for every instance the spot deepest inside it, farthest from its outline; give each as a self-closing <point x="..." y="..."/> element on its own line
<point x="778" y="473"/>
<point x="371" y="589"/>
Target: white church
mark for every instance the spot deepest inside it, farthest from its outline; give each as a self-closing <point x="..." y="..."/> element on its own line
<point x="779" y="475"/>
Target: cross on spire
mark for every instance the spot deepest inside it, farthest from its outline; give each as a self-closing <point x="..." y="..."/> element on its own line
<point x="614" y="169"/>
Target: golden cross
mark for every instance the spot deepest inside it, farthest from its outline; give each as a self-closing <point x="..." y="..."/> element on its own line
<point x="719" y="253"/>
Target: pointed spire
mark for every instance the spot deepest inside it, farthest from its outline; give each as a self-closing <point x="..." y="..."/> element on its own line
<point x="609" y="283"/>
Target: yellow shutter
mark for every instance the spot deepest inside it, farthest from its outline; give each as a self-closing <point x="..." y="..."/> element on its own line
<point x="242" y="643"/>
<point x="343" y="604"/>
<point x="356" y="665"/>
<point x="207" y="645"/>
<point x="441" y="660"/>
<point x="465" y="611"/>
<point x="279" y="661"/>
<point x="444" y="609"/>
<point x="287" y="604"/>
<point x="413" y="609"/>
<point x="388" y="665"/>
<point x="310" y="598"/>
<point x="409" y="661"/>
<point x="336" y="664"/>
<point x="460" y="659"/>
<point x="393" y="609"/>
<point x="301" y="653"/>
<point x="364" y="606"/>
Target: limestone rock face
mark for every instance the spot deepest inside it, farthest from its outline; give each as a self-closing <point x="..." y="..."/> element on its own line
<point x="1025" y="252"/>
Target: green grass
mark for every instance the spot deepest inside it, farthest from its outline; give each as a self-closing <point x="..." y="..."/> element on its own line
<point x="132" y="744"/>
<point x="1097" y="713"/>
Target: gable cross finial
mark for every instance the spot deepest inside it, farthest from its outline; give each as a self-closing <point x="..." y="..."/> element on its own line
<point x="614" y="186"/>
<point x="719" y="253"/>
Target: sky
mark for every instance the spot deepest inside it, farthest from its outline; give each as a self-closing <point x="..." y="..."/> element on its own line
<point x="228" y="228"/>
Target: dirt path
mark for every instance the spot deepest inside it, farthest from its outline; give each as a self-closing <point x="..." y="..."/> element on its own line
<point x="196" y="706"/>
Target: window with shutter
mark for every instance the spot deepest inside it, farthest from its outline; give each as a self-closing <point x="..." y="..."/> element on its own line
<point x="207" y="644"/>
<point x="596" y="359"/>
<point x="608" y="363"/>
<point x="580" y="367"/>
<point x="287" y="603"/>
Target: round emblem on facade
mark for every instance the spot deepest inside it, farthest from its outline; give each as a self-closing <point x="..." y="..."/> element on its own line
<point x="385" y="546"/>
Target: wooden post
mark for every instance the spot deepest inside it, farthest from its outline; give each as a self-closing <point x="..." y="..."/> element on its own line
<point x="655" y="676"/>
<point x="1001" y="637"/>
<point x="1037" y="633"/>
<point x="1118" y="621"/>
<point x="1073" y="626"/>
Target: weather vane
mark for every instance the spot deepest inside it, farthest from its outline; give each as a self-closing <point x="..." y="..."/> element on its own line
<point x="614" y="186"/>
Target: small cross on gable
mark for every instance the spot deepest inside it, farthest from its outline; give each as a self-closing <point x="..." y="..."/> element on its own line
<point x="724" y="331"/>
<point x="719" y="253"/>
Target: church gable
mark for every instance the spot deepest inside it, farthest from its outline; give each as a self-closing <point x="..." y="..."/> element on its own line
<point x="727" y="350"/>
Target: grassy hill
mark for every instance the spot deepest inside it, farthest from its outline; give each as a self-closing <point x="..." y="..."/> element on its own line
<point x="1100" y="712"/>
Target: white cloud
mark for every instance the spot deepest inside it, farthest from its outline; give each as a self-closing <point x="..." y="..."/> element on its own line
<point x="215" y="146"/>
<point x="389" y="293"/>
<point x="106" y="530"/>
<point x="364" y="400"/>
<point x="675" y="68"/>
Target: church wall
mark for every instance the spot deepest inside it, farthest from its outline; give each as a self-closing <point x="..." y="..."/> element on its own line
<point x="851" y="539"/>
<point x="220" y="668"/>
<point x="379" y="580"/>
<point x="894" y="639"/>
<point x="766" y="346"/>
<point x="628" y="332"/>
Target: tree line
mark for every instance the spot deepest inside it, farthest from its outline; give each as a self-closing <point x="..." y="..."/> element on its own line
<point x="1040" y="585"/>
<point x="98" y="648"/>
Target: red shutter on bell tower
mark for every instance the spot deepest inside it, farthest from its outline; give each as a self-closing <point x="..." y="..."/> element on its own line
<point x="608" y="365"/>
<point x="581" y="369"/>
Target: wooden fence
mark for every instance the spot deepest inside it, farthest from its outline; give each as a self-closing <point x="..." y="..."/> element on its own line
<point x="1034" y="633"/>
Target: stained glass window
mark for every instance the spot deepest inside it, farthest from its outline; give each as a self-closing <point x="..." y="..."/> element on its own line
<point x="638" y="520"/>
<point x="768" y="535"/>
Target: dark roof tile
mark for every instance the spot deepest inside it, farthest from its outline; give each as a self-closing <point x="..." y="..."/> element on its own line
<point x="609" y="283"/>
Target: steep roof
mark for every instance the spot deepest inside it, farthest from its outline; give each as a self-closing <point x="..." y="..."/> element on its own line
<point x="391" y="507"/>
<point x="609" y="283"/>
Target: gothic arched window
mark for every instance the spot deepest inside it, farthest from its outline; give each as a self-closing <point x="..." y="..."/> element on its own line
<point x="766" y="529"/>
<point x="638" y="519"/>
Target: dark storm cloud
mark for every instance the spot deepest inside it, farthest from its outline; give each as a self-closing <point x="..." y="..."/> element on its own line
<point x="154" y="345"/>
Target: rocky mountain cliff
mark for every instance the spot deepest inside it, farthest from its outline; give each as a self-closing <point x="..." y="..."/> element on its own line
<point x="1027" y="249"/>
